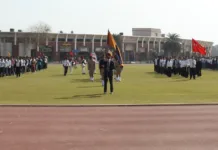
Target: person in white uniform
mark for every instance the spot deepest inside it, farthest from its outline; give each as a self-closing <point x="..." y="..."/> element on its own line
<point x="169" y="65"/>
<point x="192" y="68"/>
<point x="66" y="64"/>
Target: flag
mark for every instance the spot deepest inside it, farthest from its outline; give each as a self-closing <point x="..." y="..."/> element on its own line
<point x="196" y="47"/>
<point x="112" y="43"/>
<point x="110" y="40"/>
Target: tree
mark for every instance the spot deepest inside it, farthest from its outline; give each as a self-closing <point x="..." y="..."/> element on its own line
<point x="172" y="46"/>
<point x="39" y="33"/>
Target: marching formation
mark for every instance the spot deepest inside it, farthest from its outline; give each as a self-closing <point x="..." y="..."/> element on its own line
<point x="17" y="66"/>
<point x="185" y="67"/>
<point x="108" y="66"/>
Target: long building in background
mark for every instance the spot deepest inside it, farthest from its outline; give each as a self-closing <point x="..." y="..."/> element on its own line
<point x="141" y="46"/>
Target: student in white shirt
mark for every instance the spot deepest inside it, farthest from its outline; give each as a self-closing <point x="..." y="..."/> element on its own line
<point x="83" y="65"/>
<point x="2" y="67"/>
<point x="18" y="67"/>
<point x="9" y="67"/>
<point x="192" y="68"/>
<point x="169" y="65"/>
<point x="6" y="67"/>
<point x="66" y="64"/>
<point x="46" y="62"/>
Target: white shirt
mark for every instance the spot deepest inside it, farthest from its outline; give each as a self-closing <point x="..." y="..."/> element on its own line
<point x="18" y="63"/>
<point x="66" y="63"/>
<point x="2" y="63"/>
<point x="46" y="60"/>
<point x="170" y="63"/>
<point x="163" y="62"/>
<point x="84" y="63"/>
<point x="22" y="62"/>
<point x="182" y="63"/>
<point x="9" y="63"/>
<point x="155" y="61"/>
<point x="6" y="63"/>
<point x="192" y="63"/>
<point x="188" y="62"/>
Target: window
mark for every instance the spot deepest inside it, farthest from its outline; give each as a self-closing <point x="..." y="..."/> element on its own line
<point x="104" y="40"/>
<point x="97" y="40"/>
<point x="61" y="39"/>
<point x="139" y="42"/>
<point x="88" y="40"/>
<point x="156" y="34"/>
<point x="79" y="40"/>
<point x="70" y="40"/>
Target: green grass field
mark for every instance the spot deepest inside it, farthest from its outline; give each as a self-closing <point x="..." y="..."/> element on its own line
<point x="140" y="85"/>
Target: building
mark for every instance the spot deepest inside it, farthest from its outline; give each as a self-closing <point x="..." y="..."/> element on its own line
<point x="139" y="47"/>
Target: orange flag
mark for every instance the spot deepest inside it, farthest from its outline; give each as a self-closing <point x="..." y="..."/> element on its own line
<point x="110" y="40"/>
<point x="112" y="43"/>
<point x="196" y="47"/>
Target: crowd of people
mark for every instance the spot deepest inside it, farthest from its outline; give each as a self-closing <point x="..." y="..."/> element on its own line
<point x="10" y="66"/>
<point x="108" y="67"/>
<point x="185" y="67"/>
<point x="209" y="63"/>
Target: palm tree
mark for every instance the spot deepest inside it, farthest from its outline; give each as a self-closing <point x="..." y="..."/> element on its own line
<point x="172" y="46"/>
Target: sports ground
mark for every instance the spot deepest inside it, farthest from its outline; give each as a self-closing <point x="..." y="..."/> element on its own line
<point x="169" y="127"/>
<point x="140" y="85"/>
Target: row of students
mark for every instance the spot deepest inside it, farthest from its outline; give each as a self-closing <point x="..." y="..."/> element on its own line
<point x="17" y="66"/>
<point x="186" y="67"/>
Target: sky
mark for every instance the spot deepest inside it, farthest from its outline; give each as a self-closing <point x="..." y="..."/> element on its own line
<point x="196" y="19"/>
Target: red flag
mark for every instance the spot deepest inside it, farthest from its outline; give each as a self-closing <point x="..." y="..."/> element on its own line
<point x="196" y="47"/>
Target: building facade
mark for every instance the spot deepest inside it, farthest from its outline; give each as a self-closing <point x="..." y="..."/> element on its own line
<point x="140" y="47"/>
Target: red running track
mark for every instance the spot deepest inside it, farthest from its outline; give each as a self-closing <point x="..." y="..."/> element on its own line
<point x="109" y="128"/>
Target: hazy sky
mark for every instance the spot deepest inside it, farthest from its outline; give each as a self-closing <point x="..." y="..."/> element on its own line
<point x="190" y="18"/>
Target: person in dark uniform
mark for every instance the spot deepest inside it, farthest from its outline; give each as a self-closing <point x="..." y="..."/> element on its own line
<point x="198" y="67"/>
<point x="101" y="69"/>
<point x="108" y="73"/>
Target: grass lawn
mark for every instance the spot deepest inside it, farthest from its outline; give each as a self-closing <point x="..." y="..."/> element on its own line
<point x="140" y="85"/>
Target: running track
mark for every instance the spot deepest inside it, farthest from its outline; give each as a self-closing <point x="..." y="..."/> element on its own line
<point x="109" y="128"/>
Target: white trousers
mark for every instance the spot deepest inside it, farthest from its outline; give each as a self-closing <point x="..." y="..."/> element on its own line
<point x="83" y="70"/>
<point x="71" y="69"/>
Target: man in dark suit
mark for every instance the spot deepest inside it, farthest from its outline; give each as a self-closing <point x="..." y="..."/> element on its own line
<point x="198" y="67"/>
<point x="108" y="73"/>
<point x="101" y="69"/>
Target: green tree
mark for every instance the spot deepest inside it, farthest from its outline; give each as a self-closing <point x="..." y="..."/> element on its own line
<point x="172" y="46"/>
